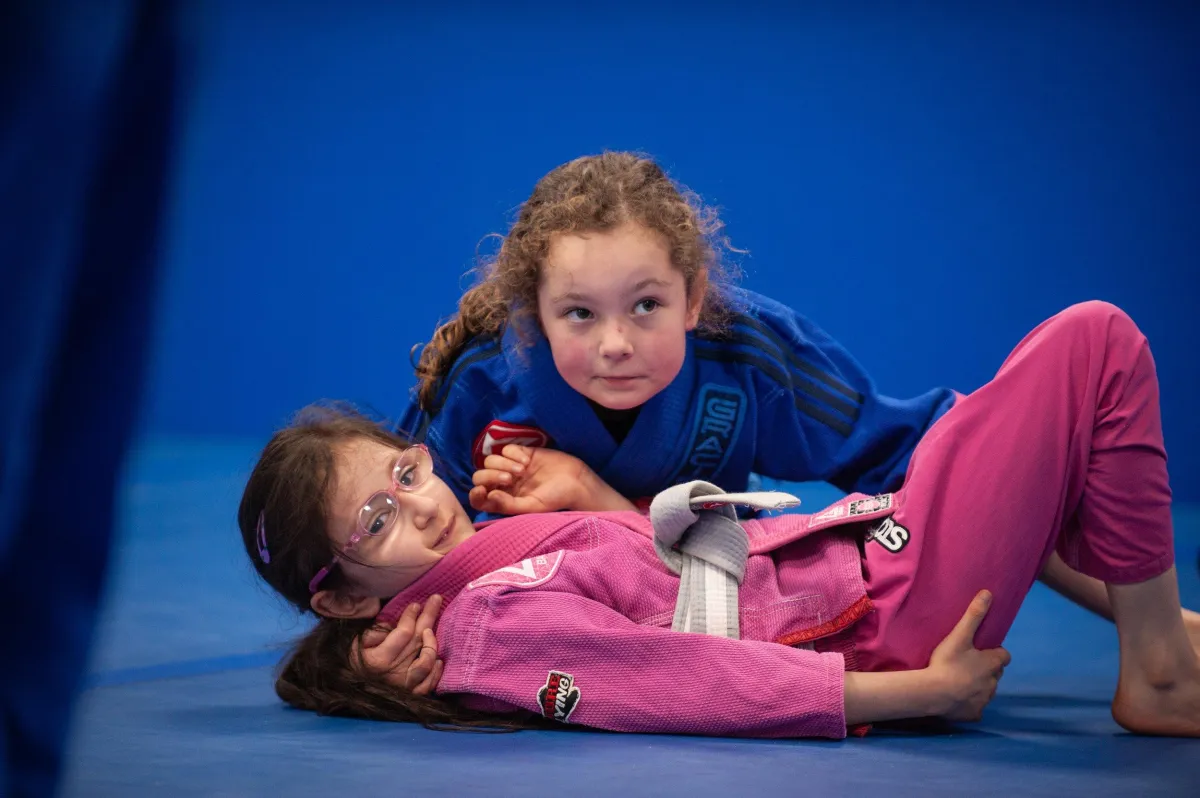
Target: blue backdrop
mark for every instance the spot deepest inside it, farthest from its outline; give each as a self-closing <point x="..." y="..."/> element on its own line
<point x="926" y="184"/>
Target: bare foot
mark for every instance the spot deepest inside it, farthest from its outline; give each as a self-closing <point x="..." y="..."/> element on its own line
<point x="1163" y="707"/>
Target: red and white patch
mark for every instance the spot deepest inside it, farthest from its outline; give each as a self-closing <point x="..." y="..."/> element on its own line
<point x="498" y="434"/>
<point x="558" y="697"/>
<point x="529" y="572"/>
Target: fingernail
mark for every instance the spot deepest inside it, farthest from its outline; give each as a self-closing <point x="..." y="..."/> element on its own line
<point x="414" y="606"/>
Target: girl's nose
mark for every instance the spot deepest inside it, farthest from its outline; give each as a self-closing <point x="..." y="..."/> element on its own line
<point x="420" y="509"/>
<point x="615" y="342"/>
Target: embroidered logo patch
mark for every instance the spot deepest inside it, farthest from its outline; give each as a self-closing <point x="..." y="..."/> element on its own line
<point x="530" y="572"/>
<point x="498" y="434"/>
<point x="890" y="535"/>
<point x="559" y="696"/>
<point x="871" y="505"/>
<point x="720" y="410"/>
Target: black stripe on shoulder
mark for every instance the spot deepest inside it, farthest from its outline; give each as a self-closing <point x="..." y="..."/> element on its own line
<point x="488" y="349"/>
<point x="798" y="364"/>
<point x="838" y="425"/>
<point x="813" y="390"/>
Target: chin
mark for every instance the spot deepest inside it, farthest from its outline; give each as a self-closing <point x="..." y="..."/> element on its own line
<point x="620" y="404"/>
<point x="623" y="401"/>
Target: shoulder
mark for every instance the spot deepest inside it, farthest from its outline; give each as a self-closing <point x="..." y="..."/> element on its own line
<point x="480" y="354"/>
<point x="760" y="333"/>
<point x="763" y="321"/>
<point x="775" y="343"/>
<point x="767" y="316"/>
<point x="754" y="317"/>
<point x="481" y="360"/>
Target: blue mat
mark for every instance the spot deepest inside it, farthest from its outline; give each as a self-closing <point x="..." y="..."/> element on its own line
<point x="180" y="701"/>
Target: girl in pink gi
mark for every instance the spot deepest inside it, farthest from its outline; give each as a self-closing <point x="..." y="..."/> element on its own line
<point x="847" y="616"/>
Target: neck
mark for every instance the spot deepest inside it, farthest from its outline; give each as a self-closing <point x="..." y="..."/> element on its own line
<point x="617" y="422"/>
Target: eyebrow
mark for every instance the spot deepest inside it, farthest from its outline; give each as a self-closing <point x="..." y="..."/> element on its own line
<point x="358" y="502"/>
<point x="641" y="285"/>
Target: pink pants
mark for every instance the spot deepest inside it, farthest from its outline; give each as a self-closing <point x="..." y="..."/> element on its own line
<point x="1062" y="450"/>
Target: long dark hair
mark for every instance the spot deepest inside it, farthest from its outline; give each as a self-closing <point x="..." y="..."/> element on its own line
<point x="289" y="490"/>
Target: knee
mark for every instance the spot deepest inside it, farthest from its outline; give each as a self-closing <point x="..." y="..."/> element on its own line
<point x="1099" y="321"/>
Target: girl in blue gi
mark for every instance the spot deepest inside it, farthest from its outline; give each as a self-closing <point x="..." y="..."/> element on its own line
<point x="603" y="328"/>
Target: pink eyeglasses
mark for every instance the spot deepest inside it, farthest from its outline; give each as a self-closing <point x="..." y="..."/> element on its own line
<point x="377" y="517"/>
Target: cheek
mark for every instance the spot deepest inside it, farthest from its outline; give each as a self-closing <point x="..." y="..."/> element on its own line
<point x="377" y="579"/>
<point x="668" y="348"/>
<point x="670" y="362"/>
<point x="448" y="501"/>
<point x="396" y="550"/>
<point x="570" y="353"/>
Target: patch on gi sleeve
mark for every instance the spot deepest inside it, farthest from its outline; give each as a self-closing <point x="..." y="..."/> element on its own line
<point x="529" y="572"/>
<point x="890" y="535"/>
<point x="498" y="434"/>
<point x="871" y="505"/>
<point x="559" y="696"/>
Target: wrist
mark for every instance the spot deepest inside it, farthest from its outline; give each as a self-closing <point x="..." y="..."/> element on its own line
<point x="937" y="698"/>
<point x="584" y="490"/>
<point x="596" y="495"/>
<point x="875" y="696"/>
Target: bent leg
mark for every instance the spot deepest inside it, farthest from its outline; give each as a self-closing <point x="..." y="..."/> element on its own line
<point x="1062" y="450"/>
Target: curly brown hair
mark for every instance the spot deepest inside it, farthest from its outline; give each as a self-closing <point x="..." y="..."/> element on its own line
<point x="596" y="193"/>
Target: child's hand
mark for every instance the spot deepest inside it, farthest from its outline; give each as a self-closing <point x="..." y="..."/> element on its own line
<point x="407" y="655"/>
<point x="967" y="677"/>
<point x="523" y="479"/>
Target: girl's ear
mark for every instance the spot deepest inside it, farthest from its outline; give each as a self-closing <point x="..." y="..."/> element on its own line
<point x="696" y="299"/>
<point x="332" y="604"/>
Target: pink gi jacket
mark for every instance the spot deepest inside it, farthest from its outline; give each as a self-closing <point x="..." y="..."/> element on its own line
<point x="569" y="615"/>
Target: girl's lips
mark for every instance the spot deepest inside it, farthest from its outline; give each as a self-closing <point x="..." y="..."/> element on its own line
<point x="442" y="537"/>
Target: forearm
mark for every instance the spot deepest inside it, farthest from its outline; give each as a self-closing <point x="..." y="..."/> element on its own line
<point x="892" y="695"/>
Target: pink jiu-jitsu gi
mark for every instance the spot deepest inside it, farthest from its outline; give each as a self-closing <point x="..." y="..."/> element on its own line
<point x="568" y="614"/>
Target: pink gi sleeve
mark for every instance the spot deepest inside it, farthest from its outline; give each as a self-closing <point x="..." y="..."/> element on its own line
<point x="576" y="660"/>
